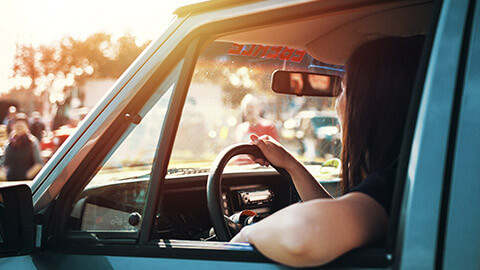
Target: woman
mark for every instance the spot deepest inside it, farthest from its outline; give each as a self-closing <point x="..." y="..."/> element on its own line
<point x="22" y="156"/>
<point x="372" y="110"/>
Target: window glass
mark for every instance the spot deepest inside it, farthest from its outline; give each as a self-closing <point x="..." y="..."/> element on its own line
<point x="230" y="97"/>
<point x="114" y="198"/>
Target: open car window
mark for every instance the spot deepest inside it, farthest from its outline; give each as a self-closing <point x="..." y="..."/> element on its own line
<point x="230" y="97"/>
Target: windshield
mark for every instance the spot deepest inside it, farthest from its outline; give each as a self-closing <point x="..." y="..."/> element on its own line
<point x="230" y="97"/>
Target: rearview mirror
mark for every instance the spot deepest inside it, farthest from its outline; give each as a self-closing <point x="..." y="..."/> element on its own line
<point x="306" y="83"/>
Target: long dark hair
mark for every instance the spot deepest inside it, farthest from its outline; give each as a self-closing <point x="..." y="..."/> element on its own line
<point x="380" y="78"/>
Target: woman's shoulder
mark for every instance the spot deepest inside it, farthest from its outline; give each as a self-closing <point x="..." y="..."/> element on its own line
<point x="378" y="185"/>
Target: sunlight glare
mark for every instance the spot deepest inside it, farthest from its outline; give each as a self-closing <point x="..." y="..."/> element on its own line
<point x="46" y="22"/>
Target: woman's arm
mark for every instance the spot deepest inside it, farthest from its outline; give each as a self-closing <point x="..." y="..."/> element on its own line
<point x="307" y="186"/>
<point x="318" y="231"/>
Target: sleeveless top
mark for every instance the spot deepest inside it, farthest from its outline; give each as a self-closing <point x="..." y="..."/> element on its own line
<point x="379" y="186"/>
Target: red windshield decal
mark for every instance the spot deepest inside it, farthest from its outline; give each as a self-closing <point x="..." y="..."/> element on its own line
<point x="271" y="52"/>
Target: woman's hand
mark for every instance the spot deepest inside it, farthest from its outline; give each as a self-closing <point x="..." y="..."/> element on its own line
<point x="306" y="185"/>
<point x="273" y="151"/>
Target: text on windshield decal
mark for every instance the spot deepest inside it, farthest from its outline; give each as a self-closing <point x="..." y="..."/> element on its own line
<point x="271" y="52"/>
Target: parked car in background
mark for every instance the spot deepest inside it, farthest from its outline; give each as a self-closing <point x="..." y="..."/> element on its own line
<point x="316" y="132"/>
<point x="52" y="140"/>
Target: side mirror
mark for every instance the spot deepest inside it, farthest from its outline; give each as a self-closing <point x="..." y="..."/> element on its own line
<point x="306" y="83"/>
<point x="16" y="220"/>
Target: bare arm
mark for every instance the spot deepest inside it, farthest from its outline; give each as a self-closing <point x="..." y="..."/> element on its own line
<point x="316" y="232"/>
<point x="307" y="186"/>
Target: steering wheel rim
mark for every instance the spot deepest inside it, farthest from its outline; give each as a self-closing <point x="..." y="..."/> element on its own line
<point x="214" y="185"/>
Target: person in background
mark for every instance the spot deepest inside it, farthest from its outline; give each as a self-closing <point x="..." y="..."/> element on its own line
<point x="22" y="155"/>
<point x="37" y="127"/>
<point x="253" y="122"/>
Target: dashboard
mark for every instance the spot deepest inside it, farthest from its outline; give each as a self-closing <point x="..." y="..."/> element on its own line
<point x="183" y="212"/>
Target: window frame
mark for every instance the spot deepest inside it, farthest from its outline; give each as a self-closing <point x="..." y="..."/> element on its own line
<point x="165" y="144"/>
<point x="458" y="236"/>
<point x="55" y="223"/>
<point x="425" y="177"/>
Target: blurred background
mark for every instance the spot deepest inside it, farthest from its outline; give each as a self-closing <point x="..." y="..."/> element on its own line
<point x="59" y="57"/>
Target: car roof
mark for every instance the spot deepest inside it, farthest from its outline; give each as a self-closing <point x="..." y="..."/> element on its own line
<point x="331" y="37"/>
<point x="206" y="6"/>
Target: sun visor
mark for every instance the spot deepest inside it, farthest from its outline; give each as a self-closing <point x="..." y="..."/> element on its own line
<point x="336" y="46"/>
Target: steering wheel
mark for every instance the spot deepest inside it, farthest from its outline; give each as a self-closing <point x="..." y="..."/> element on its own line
<point x="214" y="185"/>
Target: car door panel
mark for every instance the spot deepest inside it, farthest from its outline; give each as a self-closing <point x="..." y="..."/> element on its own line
<point x="423" y="186"/>
<point x="18" y="262"/>
<point x="74" y="262"/>
<point x="462" y="218"/>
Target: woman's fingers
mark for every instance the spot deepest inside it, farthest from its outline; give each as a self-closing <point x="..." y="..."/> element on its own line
<point x="262" y="142"/>
<point x="273" y="151"/>
<point x="261" y="161"/>
<point x="258" y="141"/>
<point x="254" y="137"/>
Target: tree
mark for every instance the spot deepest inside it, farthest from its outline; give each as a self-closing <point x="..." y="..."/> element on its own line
<point x="53" y="70"/>
<point x="26" y="65"/>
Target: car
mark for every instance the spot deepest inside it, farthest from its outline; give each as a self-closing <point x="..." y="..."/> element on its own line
<point x="51" y="141"/>
<point x="127" y="190"/>
<point x="317" y="133"/>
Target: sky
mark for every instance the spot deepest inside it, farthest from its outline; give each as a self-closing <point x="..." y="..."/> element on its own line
<point x="44" y="22"/>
